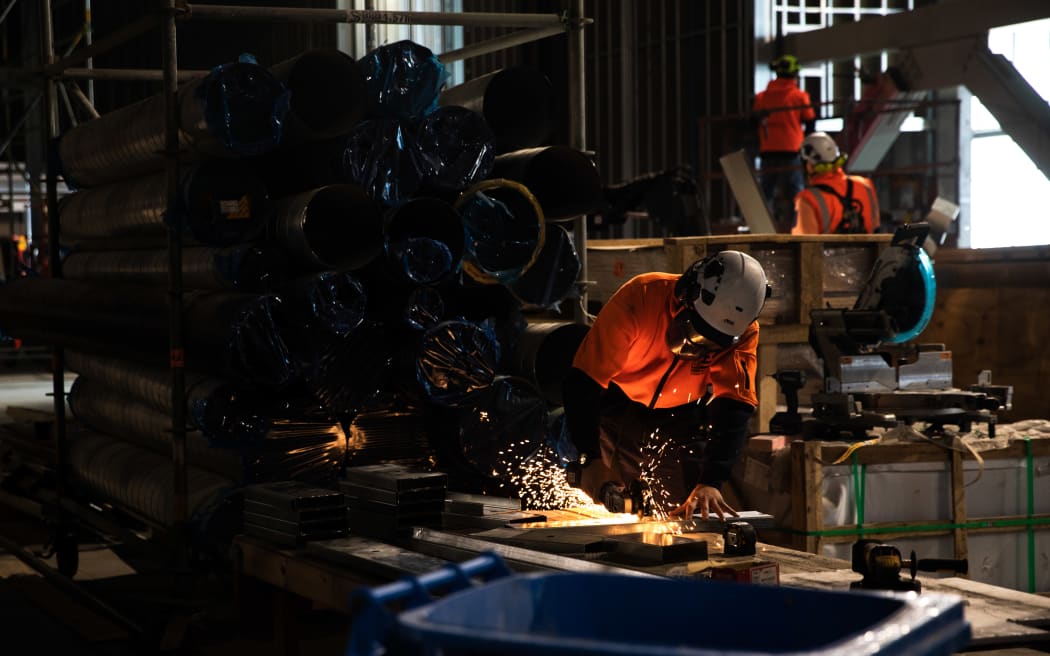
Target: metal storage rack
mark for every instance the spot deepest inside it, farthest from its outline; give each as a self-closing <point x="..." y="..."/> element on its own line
<point x="55" y="67"/>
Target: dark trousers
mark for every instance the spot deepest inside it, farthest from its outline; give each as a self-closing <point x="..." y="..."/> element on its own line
<point x="782" y="171"/>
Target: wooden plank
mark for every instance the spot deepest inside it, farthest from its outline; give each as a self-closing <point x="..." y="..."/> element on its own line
<point x="959" y="539"/>
<point x="810" y="280"/>
<point x="883" y="454"/>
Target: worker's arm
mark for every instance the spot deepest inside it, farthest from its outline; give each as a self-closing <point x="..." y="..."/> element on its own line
<point x="727" y="434"/>
<point x="807" y="219"/>
<point x="582" y="397"/>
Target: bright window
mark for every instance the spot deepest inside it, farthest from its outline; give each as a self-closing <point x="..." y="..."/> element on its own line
<point x="1006" y="188"/>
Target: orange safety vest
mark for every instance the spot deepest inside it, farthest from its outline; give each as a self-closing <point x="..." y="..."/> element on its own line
<point x="626" y="345"/>
<point x="787" y="106"/>
<point x="828" y="205"/>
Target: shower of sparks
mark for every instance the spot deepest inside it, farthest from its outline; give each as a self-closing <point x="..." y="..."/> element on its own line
<point x="539" y="480"/>
<point x="655" y="494"/>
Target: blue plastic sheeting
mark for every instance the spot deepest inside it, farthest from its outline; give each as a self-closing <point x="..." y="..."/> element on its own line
<point x="502" y="426"/>
<point x="403" y="80"/>
<point x="454" y="148"/>
<point x="331" y="303"/>
<point x="504" y="232"/>
<point x="423" y="260"/>
<point x="352" y="369"/>
<point x="244" y="107"/>
<point x="424" y="308"/>
<point x="379" y="159"/>
<point x="457" y="359"/>
<point x="552" y="277"/>
<point x="609" y="614"/>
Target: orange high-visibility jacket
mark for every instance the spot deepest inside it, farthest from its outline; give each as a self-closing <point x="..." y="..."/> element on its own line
<point x="787" y="106"/>
<point x="626" y="345"/>
<point x="820" y="213"/>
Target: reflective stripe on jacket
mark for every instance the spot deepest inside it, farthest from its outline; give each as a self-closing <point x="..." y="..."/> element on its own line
<point x="627" y="345"/>
<point x="821" y="213"/>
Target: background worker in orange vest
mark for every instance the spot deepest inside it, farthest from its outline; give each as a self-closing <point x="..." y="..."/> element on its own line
<point x="782" y="111"/>
<point x="833" y="203"/>
<point x="664" y="384"/>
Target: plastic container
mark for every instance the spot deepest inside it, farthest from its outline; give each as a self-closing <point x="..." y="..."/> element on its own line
<point x="582" y="614"/>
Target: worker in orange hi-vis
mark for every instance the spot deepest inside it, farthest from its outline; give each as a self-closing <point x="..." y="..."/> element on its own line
<point x="783" y="114"/>
<point x="833" y="202"/>
<point x="663" y="386"/>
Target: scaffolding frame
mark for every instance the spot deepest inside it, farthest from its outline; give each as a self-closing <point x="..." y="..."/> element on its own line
<point x="55" y="69"/>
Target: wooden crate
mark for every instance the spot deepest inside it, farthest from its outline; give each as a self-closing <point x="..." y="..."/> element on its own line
<point x="612" y="262"/>
<point x="1029" y="511"/>
<point x="991" y="314"/>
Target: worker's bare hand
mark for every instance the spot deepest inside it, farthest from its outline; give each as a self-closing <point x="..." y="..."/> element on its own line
<point x="704" y="499"/>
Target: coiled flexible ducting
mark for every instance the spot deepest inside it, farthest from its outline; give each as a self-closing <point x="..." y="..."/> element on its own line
<point x="221" y="203"/>
<point x="244" y="267"/>
<point x="236" y="110"/>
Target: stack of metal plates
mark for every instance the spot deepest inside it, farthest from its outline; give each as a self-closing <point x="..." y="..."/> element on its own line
<point x="290" y="513"/>
<point x="387" y="500"/>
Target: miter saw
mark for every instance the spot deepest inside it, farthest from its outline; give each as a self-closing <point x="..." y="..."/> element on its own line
<point x="874" y="373"/>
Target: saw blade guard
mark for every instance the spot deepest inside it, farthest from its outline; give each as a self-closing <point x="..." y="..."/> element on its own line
<point x="902" y="285"/>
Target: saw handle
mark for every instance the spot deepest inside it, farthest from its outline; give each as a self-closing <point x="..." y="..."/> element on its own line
<point x="959" y="566"/>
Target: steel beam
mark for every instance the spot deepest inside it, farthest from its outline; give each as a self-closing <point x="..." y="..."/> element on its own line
<point x="479" y="19"/>
<point x="518" y="38"/>
<point x="883" y="131"/>
<point x="945" y="21"/>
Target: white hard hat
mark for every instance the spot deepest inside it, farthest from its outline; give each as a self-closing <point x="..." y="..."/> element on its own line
<point x="725" y="292"/>
<point x="819" y="148"/>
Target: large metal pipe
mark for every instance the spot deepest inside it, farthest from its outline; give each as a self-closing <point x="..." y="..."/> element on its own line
<point x="222" y="204"/>
<point x="505" y="230"/>
<point x="328" y="95"/>
<point x="564" y="180"/>
<point x="552" y="277"/>
<point x="236" y="110"/>
<point x="516" y="102"/>
<point x="544" y="354"/>
<point x="244" y="267"/>
<point x="332" y="227"/>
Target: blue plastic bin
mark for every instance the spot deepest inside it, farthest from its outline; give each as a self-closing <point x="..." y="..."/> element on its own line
<point x="584" y="614"/>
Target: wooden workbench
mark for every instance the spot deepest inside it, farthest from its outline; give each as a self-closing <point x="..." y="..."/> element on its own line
<point x="328" y="572"/>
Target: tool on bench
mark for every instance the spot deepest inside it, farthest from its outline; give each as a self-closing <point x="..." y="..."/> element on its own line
<point x="881" y="564"/>
<point x="739" y="539"/>
<point x="789" y="422"/>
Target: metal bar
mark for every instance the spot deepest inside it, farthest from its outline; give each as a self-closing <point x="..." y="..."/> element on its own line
<point x="90" y="61"/>
<point x="177" y="357"/>
<point x="128" y="74"/>
<point x="67" y="585"/>
<point x="85" y="101"/>
<point x="19" y="123"/>
<point x="7" y="10"/>
<point x="421" y="537"/>
<point x="577" y="56"/>
<point x="467" y="18"/>
<point x="68" y="105"/>
<point x="123" y="35"/>
<point x="518" y="38"/>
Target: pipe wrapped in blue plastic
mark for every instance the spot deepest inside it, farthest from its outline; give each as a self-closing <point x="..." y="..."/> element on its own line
<point x="244" y="267"/>
<point x="424" y="240"/>
<point x="504" y="226"/>
<point x="236" y="110"/>
<point x="403" y="79"/>
<point x="353" y="369"/>
<point x="552" y="277"/>
<point x="380" y="158"/>
<point x="502" y="426"/>
<point x="517" y="103"/>
<point x="424" y="308"/>
<point x="327" y="92"/>
<point x="564" y="180"/>
<point x="330" y="303"/>
<point x="221" y="202"/>
<point x="454" y="148"/>
<point x="456" y="360"/>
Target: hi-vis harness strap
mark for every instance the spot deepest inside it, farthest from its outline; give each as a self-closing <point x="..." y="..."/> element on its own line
<point x="847" y="200"/>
